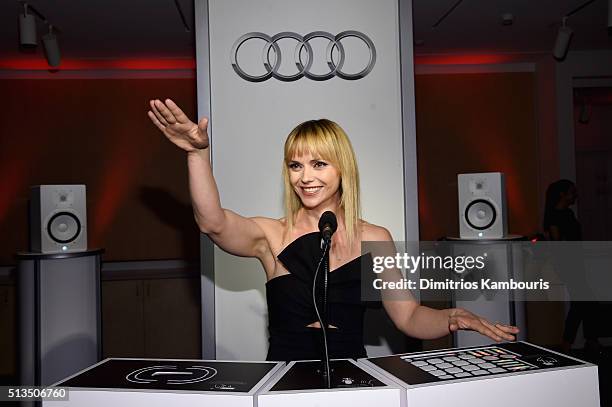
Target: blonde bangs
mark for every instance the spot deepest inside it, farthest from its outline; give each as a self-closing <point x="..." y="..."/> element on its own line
<point x="309" y="140"/>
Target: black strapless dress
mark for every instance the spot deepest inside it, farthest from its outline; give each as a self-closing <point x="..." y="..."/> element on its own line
<point x="290" y="308"/>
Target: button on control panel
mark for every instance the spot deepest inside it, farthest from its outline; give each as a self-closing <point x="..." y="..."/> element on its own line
<point x="473" y="362"/>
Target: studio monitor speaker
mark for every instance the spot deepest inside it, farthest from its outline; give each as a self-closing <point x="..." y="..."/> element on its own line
<point x="482" y="205"/>
<point x="58" y="218"/>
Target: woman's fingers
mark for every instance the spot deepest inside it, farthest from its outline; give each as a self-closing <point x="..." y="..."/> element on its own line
<point x="203" y="124"/>
<point x="488" y="332"/>
<point x="165" y="112"/>
<point x="176" y="112"/>
<point x="507" y="328"/>
<point x="157" y="113"/>
<point x="497" y="329"/>
<point x="177" y="127"/>
<point x="469" y="321"/>
<point x="498" y="332"/>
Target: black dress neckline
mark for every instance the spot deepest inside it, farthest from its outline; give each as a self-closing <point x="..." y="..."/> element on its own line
<point x="300" y="259"/>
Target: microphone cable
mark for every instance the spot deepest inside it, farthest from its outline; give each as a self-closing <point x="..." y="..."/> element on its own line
<point x="327" y="369"/>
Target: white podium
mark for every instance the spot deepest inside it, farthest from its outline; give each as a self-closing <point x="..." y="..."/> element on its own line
<point x="59" y="314"/>
<point x="174" y="383"/>
<point x="500" y="375"/>
<point x="300" y="384"/>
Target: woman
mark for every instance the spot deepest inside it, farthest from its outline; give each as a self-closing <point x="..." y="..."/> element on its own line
<point x="560" y="224"/>
<point x="320" y="174"/>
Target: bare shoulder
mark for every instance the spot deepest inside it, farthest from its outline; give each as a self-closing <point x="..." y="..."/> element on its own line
<point x="374" y="233"/>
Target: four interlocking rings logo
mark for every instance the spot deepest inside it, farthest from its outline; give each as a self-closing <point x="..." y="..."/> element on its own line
<point x="303" y="67"/>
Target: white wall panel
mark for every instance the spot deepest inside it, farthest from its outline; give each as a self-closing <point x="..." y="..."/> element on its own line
<point x="250" y="121"/>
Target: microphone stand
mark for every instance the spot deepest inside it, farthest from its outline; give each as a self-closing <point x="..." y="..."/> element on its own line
<point x="326" y="243"/>
<point x="325" y="290"/>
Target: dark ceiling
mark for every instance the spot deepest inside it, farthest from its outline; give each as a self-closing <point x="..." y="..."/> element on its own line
<point x="154" y="28"/>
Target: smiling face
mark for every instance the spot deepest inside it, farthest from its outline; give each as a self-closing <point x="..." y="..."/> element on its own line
<point x="320" y="171"/>
<point x="314" y="180"/>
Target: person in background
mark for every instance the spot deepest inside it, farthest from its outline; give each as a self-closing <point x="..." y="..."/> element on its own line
<point x="560" y="224"/>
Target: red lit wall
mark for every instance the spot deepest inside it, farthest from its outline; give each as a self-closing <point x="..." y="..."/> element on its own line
<point x="475" y="123"/>
<point x="96" y="132"/>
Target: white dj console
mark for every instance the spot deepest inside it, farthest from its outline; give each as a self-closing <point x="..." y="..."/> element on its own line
<point x="501" y="375"/>
<point x="301" y="384"/>
<point x="167" y="383"/>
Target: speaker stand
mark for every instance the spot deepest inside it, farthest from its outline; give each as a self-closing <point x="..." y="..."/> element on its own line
<point x="503" y="307"/>
<point x="59" y="314"/>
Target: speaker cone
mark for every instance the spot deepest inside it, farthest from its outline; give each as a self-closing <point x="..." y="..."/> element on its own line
<point x="64" y="227"/>
<point x="480" y="214"/>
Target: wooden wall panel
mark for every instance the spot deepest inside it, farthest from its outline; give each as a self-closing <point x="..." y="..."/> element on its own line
<point x="475" y="123"/>
<point x="96" y="132"/>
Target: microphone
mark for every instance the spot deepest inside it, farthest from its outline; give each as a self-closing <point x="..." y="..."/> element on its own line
<point x="328" y="225"/>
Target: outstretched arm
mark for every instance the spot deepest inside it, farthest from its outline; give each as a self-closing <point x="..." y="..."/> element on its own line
<point x="422" y="322"/>
<point x="427" y="323"/>
<point x="233" y="233"/>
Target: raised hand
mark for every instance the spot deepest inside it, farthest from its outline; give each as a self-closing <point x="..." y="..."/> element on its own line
<point x="465" y="320"/>
<point x="177" y="127"/>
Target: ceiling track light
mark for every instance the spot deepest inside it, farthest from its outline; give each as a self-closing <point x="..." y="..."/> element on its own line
<point x="564" y="35"/>
<point x="28" y="37"/>
<point x="27" y="28"/>
<point x="52" y="51"/>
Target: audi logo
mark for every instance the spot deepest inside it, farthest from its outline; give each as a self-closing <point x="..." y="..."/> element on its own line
<point x="271" y="48"/>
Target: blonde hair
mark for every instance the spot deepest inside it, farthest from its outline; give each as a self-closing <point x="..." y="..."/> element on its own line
<point x="325" y="139"/>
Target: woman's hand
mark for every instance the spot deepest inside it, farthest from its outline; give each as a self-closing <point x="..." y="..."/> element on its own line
<point x="177" y="127"/>
<point x="460" y="319"/>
